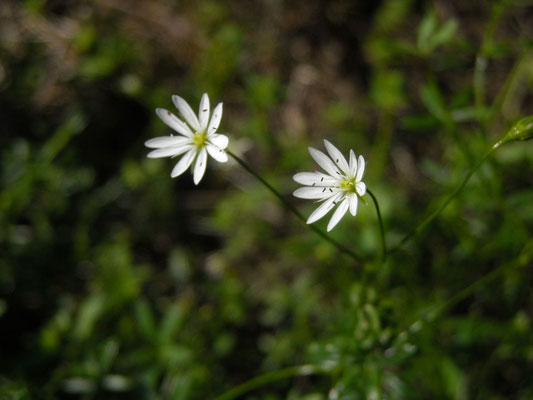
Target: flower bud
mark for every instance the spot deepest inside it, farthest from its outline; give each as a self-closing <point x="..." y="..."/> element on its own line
<point x="521" y="130"/>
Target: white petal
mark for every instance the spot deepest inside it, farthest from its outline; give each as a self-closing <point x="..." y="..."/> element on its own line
<point x="166" y="141"/>
<point x="169" y="151"/>
<point x="324" y="208"/>
<point x="314" y="179"/>
<point x="215" y="119"/>
<point x="184" y="163"/>
<point x="353" y="164"/>
<point x="204" y="112"/>
<point x="174" y="122"/>
<point x="218" y="140"/>
<point x="361" y="188"/>
<point x="199" y="167"/>
<point x="338" y="214"/>
<point x="360" y="169"/>
<point x="313" y="192"/>
<point x="353" y="203"/>
<point x="187" y="112"/>
<point x="216" y="152"/>
<point x="325" y="162"/>
<point x="337" y="156"/>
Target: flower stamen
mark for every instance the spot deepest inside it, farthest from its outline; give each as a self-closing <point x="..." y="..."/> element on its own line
<point x="348" y="185"/>
<point x="199" y="139"/>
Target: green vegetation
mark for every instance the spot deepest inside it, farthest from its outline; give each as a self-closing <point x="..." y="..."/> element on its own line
<point x="117" y="281"/>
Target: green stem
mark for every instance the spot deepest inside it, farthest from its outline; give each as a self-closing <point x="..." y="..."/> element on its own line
<point x="508" y="87"/>
<point x="383" y="142"/>
<point x="479" y="80"/>
<point x="480" y="67"/>
<point x="381" y="229"/>
<point x="291" y="208"/>
<point x="521" y="261"/>
<point x="447" y="201"/>
<point x="261" y="380"/>
<point x="467" y="291"/>
<point x="461" y="295"/>
<point x="309" y="369"/>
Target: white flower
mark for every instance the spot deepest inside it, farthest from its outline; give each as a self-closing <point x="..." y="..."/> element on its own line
<point x="341" y="185"/>
<point x="196" y="138"/>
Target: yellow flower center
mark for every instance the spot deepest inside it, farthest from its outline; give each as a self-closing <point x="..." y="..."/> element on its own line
<point x="199" y="139"/>
<point x="349" y="185"/>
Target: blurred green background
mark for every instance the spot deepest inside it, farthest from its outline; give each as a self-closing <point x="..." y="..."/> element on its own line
<point x="117" y="281"/>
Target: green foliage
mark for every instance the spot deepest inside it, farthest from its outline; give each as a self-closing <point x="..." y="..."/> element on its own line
<point x="431" y="35"/>
<point x="387" y="90"/>
<point x="117" y="281"/>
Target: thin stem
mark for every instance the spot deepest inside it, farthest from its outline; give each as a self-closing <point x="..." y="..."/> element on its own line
<point x="309" y="369"/>
<point x="467" y="291"/>
<point x="383" y="142"/>
<point x="508" y="87"/>
<point x="480" y="66"/>
<point x="261" y="380"/>
<point x="470" y="289"/>
<point x="458" y="297"/>
<point x="479" y="80"/>
<point x="447" y="201"/>
<point x="293" y="209"/>
<point x="381" y="229"/>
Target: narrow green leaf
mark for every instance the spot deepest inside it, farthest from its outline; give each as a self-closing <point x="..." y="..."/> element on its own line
<point x="444" y="34"/>
<point x="145" y="319"/>
<point x="171" y="324"/>
<point x="434" y="102"/>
